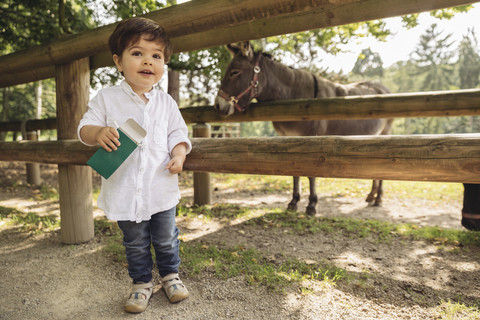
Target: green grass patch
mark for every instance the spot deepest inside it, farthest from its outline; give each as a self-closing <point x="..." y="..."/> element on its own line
<point x="6" y="212"/>
<point x="198" y="258"/>
<point x="113" y="238"/>
<point x="277" y="274"/>
<point x="434" y="191"/>
<point x="439" y="235"/>
<point x="257" y="183"/>
<point x="96" y="192"/>
<point x="448" y="310"/>
<point x="301" y="224"/>
<point x="358" y="188"/>
<point x="219" y="211"/>
<point x="48" y="193"/>
<point x="368" y="228"/>
<point x="29" y="222"/>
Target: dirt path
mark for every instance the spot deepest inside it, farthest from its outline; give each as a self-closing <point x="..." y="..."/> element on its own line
<point x="43" y="279"/>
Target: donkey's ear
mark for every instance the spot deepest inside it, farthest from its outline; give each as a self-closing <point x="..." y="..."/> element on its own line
<point x="244" y="48"/>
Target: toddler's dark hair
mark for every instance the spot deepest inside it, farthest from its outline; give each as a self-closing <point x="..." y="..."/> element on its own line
<point x="130" y="30"/>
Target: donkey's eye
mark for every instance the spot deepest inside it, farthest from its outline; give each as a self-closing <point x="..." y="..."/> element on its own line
<point x="234" y="73"/>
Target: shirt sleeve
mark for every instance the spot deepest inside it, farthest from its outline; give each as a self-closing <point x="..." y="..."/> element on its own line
<point x="177" y="129"/>
<point x="95" y="115"/>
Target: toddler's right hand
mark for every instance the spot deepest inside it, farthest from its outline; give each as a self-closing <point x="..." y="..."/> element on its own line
<point x="107" y="138"/>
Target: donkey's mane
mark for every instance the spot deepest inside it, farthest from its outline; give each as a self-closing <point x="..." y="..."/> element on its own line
<point x="265" y="54"/>
<point x="270" y="57"/>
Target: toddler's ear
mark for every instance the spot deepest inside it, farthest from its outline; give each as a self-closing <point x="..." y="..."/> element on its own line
<point x="118" y="62"/>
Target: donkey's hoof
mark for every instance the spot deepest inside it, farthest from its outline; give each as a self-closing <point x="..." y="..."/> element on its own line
<point x="374" y="202"/>
<point x="311" y="211"/>
<point x="292" y="207"/>
<point x="370" y="199"/>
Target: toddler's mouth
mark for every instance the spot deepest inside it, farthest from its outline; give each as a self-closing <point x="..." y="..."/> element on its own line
<point x="146" y="72"/>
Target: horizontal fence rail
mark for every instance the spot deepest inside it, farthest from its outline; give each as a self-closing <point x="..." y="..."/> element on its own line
<point x="30" y="125"/>
<point x="438" y="158"/>
<point x="203" y="24"/>
<point x="425" y="104"/>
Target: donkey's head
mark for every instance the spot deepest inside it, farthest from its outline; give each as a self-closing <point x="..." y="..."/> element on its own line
<point x="242" y="81"/>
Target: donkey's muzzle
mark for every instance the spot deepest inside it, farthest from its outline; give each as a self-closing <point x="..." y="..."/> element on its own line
<point x="223" y="107"/>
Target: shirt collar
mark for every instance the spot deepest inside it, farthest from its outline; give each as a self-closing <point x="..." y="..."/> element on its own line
<point x="128" y="89"/>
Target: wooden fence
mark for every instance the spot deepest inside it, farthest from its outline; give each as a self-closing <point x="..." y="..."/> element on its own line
<point x="394" y="105"/>
<point x="440" y="158"/>
<point x="201" y="24"/>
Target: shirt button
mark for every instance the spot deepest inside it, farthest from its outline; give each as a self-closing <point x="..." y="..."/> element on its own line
<point x="141" y="170"/>
<point x="139" y="190"/>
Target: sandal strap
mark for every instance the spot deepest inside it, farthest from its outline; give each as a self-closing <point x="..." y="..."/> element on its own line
<point x="169" y="283"/>
<point x="170" y="280"/>
<point x="147" y="285"/>
<point x="142" y="288"/>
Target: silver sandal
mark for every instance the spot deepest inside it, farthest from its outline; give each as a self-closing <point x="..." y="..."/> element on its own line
<point x="139" y="297"/>
<point x="174" y="288"/>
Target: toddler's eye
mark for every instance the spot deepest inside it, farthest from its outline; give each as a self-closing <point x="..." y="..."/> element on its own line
<point x="136" y="53"/>
<point x="157" y="56"/>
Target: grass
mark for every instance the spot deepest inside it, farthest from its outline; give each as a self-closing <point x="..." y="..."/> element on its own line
<point x="112" y="236"/>
<point x="29" y="222"/>
<point x="278" y="274"/>
<point x="229" y="211"/>
<point x="433" y="191"/>
<point x="256" y="269"/>
<point x="48" y="193"/>
<point x="369" y="228"/>
<point x="448" y="310"/>
<point x="199" y="258"/>
<point x="257" y="183"/>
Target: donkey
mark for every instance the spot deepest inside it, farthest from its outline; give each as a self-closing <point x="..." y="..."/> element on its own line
<point x="255" y="75"/>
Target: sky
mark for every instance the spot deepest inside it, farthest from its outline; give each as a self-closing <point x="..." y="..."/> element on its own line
<point x="402" y="42"/>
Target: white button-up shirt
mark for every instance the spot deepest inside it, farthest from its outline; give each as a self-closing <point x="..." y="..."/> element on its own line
<point x="141" y="186"/>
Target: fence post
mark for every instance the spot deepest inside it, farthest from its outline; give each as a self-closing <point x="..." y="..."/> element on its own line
<point x="75" y="182"/>
<point x="33" y="169"/>
<point x="202" y="192"/>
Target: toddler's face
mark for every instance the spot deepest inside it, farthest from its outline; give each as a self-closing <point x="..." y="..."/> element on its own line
<point x="142" y="64"/>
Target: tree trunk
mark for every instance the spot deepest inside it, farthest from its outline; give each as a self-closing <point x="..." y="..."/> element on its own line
<point x="4" y="114"/>
<point x="38" y="99"/>
<point x="174" y="85"/>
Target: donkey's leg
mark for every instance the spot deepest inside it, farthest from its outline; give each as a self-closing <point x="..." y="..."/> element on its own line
<point x="372" y="195"/>
<point x="296" y="194"/>
<point x="375" y="196"/>
<point x="312" y="199"/>
<point x="378" y="199"/>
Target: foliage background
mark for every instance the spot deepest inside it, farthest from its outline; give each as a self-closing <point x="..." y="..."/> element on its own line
<point x="437" y="63"/>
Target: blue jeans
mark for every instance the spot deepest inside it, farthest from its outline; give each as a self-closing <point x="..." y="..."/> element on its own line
<point x="161" y="232"/>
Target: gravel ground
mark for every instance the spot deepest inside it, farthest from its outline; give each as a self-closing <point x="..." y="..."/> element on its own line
<point x="402" y="279"/>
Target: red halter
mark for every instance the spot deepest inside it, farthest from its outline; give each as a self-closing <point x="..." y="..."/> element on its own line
<point x="252" y="88"/>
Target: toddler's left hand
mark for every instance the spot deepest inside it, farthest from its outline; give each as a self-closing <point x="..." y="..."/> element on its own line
<point x="175" y="165"/>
